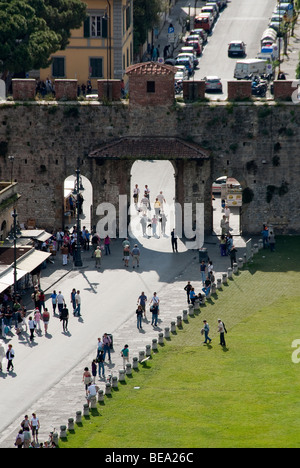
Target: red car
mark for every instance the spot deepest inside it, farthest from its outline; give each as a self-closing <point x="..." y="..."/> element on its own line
<point x="192" y="40"/>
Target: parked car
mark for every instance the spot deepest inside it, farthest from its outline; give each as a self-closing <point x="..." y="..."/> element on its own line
<point x="170" y="61"/>
<point x="204" y="21"/>
<point x="196" y="46"/>
<point x="236" y="49"/>
<point x="221" y="3"/>
<point x="191" y="56"/>
<point x="213" y="83"/>
<point x="201" y="33"/>
<point x="275" y="22"/>
<point x="211" y="11"/>
<point x="181" y="69"/>
<point x="187" y="62"/>
<point x="214" y="6"/>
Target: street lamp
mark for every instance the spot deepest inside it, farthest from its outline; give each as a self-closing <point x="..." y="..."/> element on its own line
<point x="13" y="235"/>
<point x="78" y="186"/>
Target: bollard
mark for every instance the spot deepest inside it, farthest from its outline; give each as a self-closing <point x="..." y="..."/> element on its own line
<point x="93" y="402"/>
<point x="191" y="310"/>
<point x="213" y="288"/>
<point x="141" y="356"/>
<point x="203" y="299"/>
<point x="71" y="425"/>
<point x="121" y="375"/>
<point x="128" y="369"/>
<point x="235" y="268"/>
<point x="86" y="410"/>
<point x="161" y="338"/>
<point x="240" y="263"/>
<point x="108" y="389"/>
<point x="173" y="327"/>
<point x="154" y="344"/>
<point x="255" y="248"/>
<point x="260" y="244"/>
<point x="179" y="321"/>
<point x="148" y="350"/>
<point x="184" y="315"/>
<point x="245" y="258"/>
<point x="229" y="272"/>
<point x="115" y="382"/>
<point x="167" y="332"/>
<point x="196" y="305"/>
<point x="100" y="396"/>
<point x="55" y="438"/>
<point x="219" y="283"/>
<point x="63" y="432"/>
<point x="78" y="417"/>
<point x="135" y="363"/>
<point x="224" y="278"/>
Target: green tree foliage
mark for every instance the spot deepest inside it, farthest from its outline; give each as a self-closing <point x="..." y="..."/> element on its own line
<point x="145" y="17"/>
<point x="32" y="30"/>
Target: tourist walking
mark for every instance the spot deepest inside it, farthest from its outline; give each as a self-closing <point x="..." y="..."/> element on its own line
<point x="139" y="316"/>
<point x="125" y="355"/>
<point x="142" y="299"/>
<point x="10" y="354"/>
<point x="106" y="345"/>
<point x="203" y="270"/>
<point x="107" y="245"/>
<point x="60" y="301"/>
<point x="78" y="304"/>
<point x="222" y="330"/>
<point x="135" y="256"/>
<point x="86" y="379"/>
<point x="206" y="331"/>
<point x="31" y="325"/>
<point x="46" y="318"/>
<point x="188" y="288"/>
<point x="54" y="301"/>
<point x="100" y="360"/>
<point x="98" y="255"/>
<point x="35" y="426"/>
<point x="174" y="241"/>
<point x="64" y="317"/>
<point x="155" y="312"/>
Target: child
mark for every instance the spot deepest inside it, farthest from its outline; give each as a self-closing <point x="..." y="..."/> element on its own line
<point x="125" y="355"/>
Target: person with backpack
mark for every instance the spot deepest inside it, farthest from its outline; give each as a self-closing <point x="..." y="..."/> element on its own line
<point x="222" y="330"/>
<point x="206" y="332"/>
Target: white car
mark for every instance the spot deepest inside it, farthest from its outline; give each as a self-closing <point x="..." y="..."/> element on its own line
<point x="183" y="71"/>
<point x="213" y="83"/>
<point x="218" y="184"/>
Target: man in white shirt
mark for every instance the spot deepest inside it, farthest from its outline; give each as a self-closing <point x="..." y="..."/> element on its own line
<point x="78" y="304"/>
<point x="10" y="354"/>
<point x="92" y="392"/>
<point x="161" y="199"/>
<point x="35" y="425"/>
<point x="60" y="300"/>
<point x="221" y="330"/>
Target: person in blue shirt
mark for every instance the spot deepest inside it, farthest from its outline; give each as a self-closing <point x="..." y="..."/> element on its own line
<point x="193" y="296"/>
<point x="53" y="299"/>
<point x="206" y="331"/>
<point x="265" y="236"/>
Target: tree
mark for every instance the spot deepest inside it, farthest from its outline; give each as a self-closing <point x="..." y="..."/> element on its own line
<point x="145" y="17"/>
<point x="32" y="30"/>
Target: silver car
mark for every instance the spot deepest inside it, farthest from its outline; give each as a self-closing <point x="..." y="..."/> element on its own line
<point x="213" y="83"/>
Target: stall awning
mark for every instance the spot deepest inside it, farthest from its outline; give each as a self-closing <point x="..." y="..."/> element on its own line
<point x="7" y="278"/>
<point x="37" y="234"/>
<point x="33" y="260"/>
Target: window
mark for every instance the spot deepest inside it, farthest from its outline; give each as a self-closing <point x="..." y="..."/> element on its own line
<point x="96" y="67"/>
<point x="150" y="86"/>
<point x="95" y="26"/>
<point x="58" y="67"/>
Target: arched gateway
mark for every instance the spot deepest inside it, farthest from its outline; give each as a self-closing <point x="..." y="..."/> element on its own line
<point x="111" y="164"/>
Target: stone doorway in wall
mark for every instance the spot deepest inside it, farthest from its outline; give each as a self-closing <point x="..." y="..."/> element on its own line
<point x="226" y="201"/>
<point x="70" y="197"/>
<point x="151" y="223"/>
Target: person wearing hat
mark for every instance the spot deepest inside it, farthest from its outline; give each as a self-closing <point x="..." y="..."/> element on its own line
<point x="98" y="255"/>
<point x="135" y="256"/>
<point x="206" y="331"/>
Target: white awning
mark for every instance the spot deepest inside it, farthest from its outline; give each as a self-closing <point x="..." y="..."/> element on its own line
<point x="32" y="260"/>
<point x="8" y="276"/>
<point x="38" y="234"/>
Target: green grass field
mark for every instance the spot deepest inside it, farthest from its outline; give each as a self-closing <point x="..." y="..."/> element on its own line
<point x="194" y="395"/>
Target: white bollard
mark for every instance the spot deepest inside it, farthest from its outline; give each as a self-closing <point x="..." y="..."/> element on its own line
<point x="229" y="272"/>
<point x="108" y="389"/>
<point x="141" y="356"/>
<point x="148" y="350"/>
<point x="121" y="375"/>
<point x="179" y="321"/>
<point x="191" y="310"/>
<point x="213" y="288"/>
<point x="100" y="396"/>
<point x="260" y="244"/>
<point x="255" y="248"/>
<point x="78" y="417"/>
<point x="86" y="410"/>
<point x="219" y="283"/>
<point x="161" y="338"/>
<point x="71" y="425"/>
<point x="224" y="278"/>
<point x="154" y="344"/>
<point x="93" y="402"/>
<point x="173" y="327"/>
<point x="240" y="263"/>
<point x="235" y="268"/>
<point x="135" y="363"/>
<point x="184" y="315"/>
<point x="115" y="382"/>
<point x="167" y="332"/>
<point x="128" y="369"/>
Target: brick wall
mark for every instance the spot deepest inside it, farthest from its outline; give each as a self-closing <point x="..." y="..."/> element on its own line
<point x="193" y="90"/>
<point x="142" y="92"/>
<point x="23" y="89"/>
<point x="66" y="89"/>
<point x="283" y="90"/>
<point x="109" y="89"/>
<point x="240" y="89"/>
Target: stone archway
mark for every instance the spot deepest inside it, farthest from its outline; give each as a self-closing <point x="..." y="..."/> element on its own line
<point x="111" y="167"/>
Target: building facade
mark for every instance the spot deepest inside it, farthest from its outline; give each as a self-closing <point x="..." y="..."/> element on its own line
<point x="101" y="48"/>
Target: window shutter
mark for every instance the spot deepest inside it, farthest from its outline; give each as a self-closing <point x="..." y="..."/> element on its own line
<point x="104" y="27"/>
<point x="86" y="27"/>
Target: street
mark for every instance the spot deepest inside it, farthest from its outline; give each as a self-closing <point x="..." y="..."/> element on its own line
<point x="242" y="20"/>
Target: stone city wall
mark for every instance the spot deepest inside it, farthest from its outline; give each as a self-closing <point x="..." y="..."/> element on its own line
<point x="258" y="144"/>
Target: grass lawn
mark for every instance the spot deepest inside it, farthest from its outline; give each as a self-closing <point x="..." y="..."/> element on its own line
<point x="194" y="395"/>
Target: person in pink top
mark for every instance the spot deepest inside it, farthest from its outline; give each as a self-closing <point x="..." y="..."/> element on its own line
<point x="107" y="245"/>
<point x="37" y="319"/>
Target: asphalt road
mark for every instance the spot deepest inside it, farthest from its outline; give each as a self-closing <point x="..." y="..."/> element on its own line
<point x="242" y="20"/>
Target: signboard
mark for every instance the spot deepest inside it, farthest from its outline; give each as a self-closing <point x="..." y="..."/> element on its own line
<point x="171" y="35"/>
<point x="234" y="199"/>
